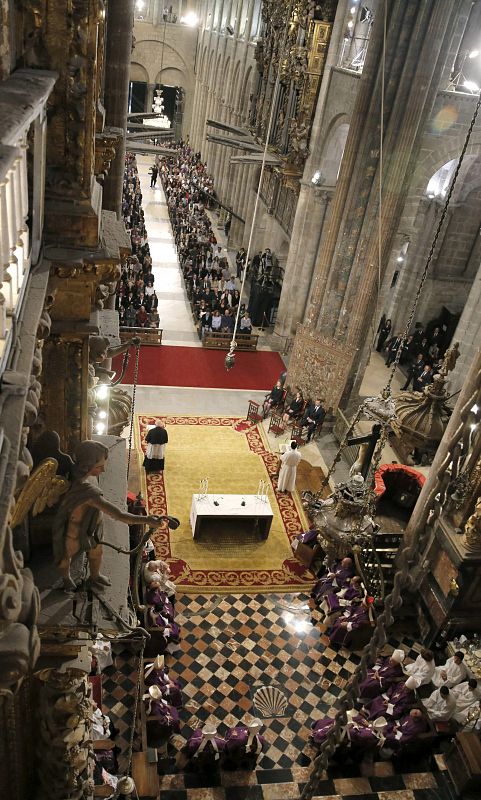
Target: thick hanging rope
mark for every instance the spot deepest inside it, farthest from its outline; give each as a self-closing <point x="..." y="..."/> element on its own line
<point x="410" y="552"/>
<point x="229" y="359"/>
<point x="381" y="160"/>
<point x="132" y="413"/>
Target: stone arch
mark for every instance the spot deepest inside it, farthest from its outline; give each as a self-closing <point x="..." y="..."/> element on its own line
<point x="171" y="76"/>
<point x="333" y="150"/>
<point x="233" y="88"/>
<point x="244" y="97"/>
<point x="149" y="54"/>
<point x="138" y="73"/>
<point x="203" y="63"/>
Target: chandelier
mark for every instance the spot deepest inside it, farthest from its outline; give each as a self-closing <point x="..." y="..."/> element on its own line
<point x="160" y="120"/>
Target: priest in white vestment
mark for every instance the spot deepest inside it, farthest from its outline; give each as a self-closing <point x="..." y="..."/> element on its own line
<point x="423" y="668"/>
<point x="467" y="696"/>
<point x="452" y="673"/>
<point x="440" y="705"/>
<point x="288" y="471"/>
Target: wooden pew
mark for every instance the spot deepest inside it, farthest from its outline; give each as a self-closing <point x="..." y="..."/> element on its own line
<point x="146" y="335"/>
<point x="222" y="341"/>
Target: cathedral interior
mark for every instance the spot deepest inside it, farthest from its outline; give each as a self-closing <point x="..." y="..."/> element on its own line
<point x="240" y="399"/>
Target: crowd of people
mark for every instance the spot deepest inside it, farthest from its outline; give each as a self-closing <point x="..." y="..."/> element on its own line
<point x="136" y="300"/>
<point x="421" y="354"/>
<point x="211" y="284"/>
<point x="393" y="709"/>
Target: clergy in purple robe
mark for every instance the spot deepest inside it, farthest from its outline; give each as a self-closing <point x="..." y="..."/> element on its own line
<point x="354" y="618"/>
<point x="382" y="675"/>
<point x="320" y="729"/>
<point x="205" y="746"/>
<point x="339" y="599"/>
<point x="308" y="537"/>
<point x="336" y="577"/>
<point x="395" y="702"/>
<point x="159" y="600"/>
<point x="245" y="740"/>
<point x="157" y="675"/>
<point x="166" y="718"/>
<point x="170" y="630"/>
<point x="399" y="733"/>
<point x="360" y="733"/>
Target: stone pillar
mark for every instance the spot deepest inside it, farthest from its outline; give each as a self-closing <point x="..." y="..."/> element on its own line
<point x="344" y="294"/>
<point x="309" y="226"/>
<point x="149" y="101"/>
<point x="118" y="54"/>
<point x="468" y="334"/>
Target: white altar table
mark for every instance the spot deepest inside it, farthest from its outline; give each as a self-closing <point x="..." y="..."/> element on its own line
<point x="256" y="512"/>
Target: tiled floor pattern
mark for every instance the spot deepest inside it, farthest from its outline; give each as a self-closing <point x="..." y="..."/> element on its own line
<point x="232" y="645"/>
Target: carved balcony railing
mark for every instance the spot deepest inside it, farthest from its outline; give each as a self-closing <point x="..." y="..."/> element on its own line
<point x="23" y="100"/>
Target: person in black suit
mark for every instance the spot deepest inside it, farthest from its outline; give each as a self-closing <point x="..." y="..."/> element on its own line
<point x="383" y="335"/>
<point x="414" y="371"/>
<point x="423" y="379"/>
<point x="313" y="416"/>
<point x="392" y="348"/>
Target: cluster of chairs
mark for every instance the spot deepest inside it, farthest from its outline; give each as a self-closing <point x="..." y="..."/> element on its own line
<point x="256" y="412"/>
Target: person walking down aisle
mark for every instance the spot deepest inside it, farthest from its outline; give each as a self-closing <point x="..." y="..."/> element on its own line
<point x="154" y="171"/>
<point x="289" y="463"/>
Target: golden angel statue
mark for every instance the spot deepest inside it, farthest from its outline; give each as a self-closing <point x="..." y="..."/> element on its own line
<point x="77" y="526"/>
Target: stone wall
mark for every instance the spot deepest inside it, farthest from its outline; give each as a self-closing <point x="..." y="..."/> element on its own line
<point x="165" y="53"/>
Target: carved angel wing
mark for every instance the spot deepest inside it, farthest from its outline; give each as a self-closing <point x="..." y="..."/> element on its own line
<point x="43" y="490"/>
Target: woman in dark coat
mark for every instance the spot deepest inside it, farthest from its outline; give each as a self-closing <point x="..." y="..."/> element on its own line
<point x="156" y="440"/>
<point x="384" y="332"/>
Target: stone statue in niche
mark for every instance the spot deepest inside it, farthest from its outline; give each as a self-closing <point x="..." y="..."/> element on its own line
<point x="472" y="529"/>
<point x="298" y="136"/>
<point x="77" y="527"/>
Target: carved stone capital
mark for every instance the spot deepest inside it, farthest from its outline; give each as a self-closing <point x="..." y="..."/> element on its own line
<point x="76" y="285"/>
<point x="105" y="149"/>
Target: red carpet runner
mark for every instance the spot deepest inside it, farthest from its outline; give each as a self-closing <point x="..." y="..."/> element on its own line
<point x="196" y="367"/>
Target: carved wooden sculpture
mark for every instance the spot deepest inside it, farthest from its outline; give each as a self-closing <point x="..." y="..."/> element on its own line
<point x="78" y="522"/>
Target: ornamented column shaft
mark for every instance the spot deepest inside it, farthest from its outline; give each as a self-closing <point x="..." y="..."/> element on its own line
<point x="344" y="293"/>
<point x="118" y="54"/>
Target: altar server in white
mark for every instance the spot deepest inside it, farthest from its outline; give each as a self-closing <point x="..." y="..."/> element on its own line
<point x="289" y="464"/>
<point x="452" y="673"/>
<point x="423" y="668"/>
<point x="440" y="705"/>
<point x="467" y="696"/>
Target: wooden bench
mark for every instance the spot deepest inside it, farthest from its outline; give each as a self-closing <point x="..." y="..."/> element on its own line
<point x="222" y="341"/>
<point x="146" y="335"/>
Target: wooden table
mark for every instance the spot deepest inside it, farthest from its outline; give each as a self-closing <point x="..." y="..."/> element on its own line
<point x="256" y="513"/>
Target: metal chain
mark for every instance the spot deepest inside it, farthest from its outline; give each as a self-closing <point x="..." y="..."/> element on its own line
<point x="136" y="706"/>
<point x="134" y="389"/>
<point x="340" y="449"/>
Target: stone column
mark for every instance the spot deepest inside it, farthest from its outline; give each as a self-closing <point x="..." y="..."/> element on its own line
<point x="309" y="226"/>
<point x="149" y="100"/>
<point x="468" y="334"/>
<point x="344" y="291"/>
<point x="118" y="54"/>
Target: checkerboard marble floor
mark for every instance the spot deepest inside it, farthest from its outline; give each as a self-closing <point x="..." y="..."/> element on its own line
<point x="233" y="645"/>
